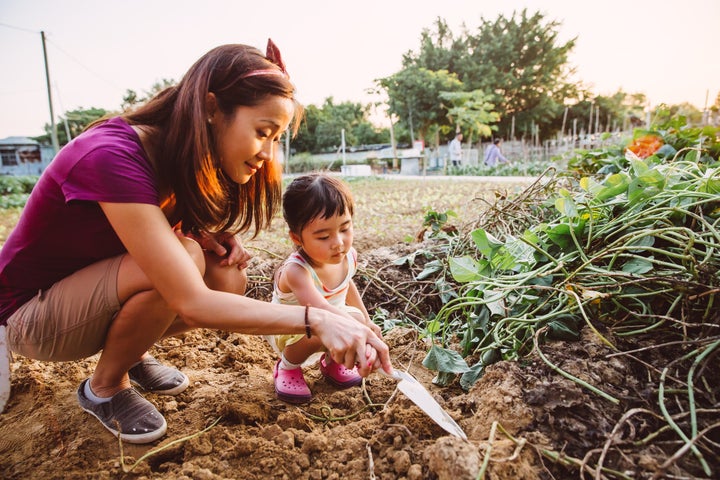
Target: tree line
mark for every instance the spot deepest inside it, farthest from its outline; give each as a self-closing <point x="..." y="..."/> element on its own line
<point x="509" y="77"/>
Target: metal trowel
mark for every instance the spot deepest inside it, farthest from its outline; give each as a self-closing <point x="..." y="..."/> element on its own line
<point x="422" y="398"/>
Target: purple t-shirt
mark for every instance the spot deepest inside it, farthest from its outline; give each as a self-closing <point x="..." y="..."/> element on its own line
<point x="62" y="228"/>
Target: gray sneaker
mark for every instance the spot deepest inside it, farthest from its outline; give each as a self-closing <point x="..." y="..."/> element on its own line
<point x="152" y="376"/>
<point x="127" y="414"/>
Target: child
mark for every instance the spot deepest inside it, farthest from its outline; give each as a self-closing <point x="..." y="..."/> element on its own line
<point x="318" y="210"/>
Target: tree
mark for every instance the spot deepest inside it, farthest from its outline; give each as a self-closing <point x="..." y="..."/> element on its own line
<point x="471" y="112"/>
<point x="132" y="99"/>
<point x="438" y="49"/>
<point x="306" y="141"/>
<point x="322" y="127"/>
<point x="74" y="121"/>
<point x="516" y="60"/>
<point x="414" y="97"/>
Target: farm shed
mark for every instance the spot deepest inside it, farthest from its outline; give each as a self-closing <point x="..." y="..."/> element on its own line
<point x="23" y="156"/>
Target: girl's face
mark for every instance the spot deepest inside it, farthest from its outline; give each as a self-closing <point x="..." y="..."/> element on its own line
<point x="326" y="240"/>
<point x="249" y="138"/>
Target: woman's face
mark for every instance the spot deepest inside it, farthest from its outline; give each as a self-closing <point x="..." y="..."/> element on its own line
<point x="249" y="137"/>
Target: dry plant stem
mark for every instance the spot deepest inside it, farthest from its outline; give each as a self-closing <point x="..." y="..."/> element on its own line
<point x="683" y="450"/>
<point x="371" y="462"/>
<point x="155" y="451"/>
<point x="567" y="375"/>
<point x="328" y="415"/>
<point x="268" y="252"/>
<point x="614" y="435"/>
<point x="561" y="458"/>
<point x="399" y="295"/>
<point x="676" y="427"/>
<point x="488" y="452"/>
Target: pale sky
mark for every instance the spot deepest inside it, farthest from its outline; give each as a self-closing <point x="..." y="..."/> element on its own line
<point x="97" y="49"/>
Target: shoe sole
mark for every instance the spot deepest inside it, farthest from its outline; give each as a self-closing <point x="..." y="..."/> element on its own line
<point x="294" y="399"/>
<point x="353" y="383"/>
<point x="139" y="438"/>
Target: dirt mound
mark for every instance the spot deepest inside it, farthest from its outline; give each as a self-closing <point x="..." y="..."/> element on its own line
<point x="523" y="419"/>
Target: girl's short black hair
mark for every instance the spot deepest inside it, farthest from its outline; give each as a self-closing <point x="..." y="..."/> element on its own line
<point x="315" y="195"/>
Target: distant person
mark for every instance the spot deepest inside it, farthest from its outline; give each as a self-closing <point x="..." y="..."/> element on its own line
<point x="132" y="234"/>
<point x="493" y="154"/>
<point x="456" y="150"/>
<point x="318" y="210"/>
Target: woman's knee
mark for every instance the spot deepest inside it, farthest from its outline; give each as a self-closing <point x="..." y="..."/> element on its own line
<point x="132" y="280"/>
<point x="195" y="251"/>
<point x="223" y="277"/>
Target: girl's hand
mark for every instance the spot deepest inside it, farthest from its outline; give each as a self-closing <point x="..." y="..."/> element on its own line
<point x="373" y="360"/>
<point x="349" y="342"/>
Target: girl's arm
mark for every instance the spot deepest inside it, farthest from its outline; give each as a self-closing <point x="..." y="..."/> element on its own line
<point x="354" y="299"/>
<point x="298" y="280"/>
<point x="151" y="242"/>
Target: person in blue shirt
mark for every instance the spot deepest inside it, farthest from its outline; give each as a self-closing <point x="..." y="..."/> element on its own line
<point x="493" y="154"/>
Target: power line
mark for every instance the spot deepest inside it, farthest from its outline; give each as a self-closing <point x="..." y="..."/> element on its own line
<point x="22" y="29"/>
<point x="110" y="82"/>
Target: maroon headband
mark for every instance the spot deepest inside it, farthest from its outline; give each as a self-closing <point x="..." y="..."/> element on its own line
<point x="273" y="54"/>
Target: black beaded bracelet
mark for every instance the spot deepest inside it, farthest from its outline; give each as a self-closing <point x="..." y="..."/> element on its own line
<point x="307" y="322"/>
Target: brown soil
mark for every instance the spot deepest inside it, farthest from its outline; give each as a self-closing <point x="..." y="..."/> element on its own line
<point x="523" y="420"/>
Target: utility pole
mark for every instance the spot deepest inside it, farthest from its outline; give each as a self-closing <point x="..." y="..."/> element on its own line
<point x="53" y="127"/>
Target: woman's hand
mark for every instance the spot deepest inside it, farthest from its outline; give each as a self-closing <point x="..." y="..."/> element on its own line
<point x="377" y="330"/>
<point x="350" y="342"/>
<point x="225" y="245"/>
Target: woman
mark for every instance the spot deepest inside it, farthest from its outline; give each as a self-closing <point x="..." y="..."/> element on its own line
<point x="131" y="235"/>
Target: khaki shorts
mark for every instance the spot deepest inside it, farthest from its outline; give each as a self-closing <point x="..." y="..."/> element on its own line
<point x="70" y="320"/>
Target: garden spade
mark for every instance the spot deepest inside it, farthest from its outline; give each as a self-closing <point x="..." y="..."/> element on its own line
<point x="422" y="398"/>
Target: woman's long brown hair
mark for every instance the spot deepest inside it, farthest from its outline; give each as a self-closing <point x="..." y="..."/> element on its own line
<point x="187" y="164"/>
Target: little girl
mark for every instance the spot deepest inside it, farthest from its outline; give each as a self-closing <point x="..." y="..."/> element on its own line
<point x="318" y="210"/>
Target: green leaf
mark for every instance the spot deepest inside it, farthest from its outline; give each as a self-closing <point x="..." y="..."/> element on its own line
<point x="443" y="379"/>
<point x="469" y="378"/>
<point x="486" y="243"/>
<point x="433" y="326"/>
<point x="560" y="234"/>
<point x="444" y="360"/>
<point x="523" y="255"/>
<point x="464" y="269"/>
<point x="564" y="327"/>
<point x="566" y="206"/>
<point x="430" y="268"/>
<point x="641" y="243"/>
<point x="495" y="302"/>
<point x="637" y="266"/>
<point x="615" y="184"/>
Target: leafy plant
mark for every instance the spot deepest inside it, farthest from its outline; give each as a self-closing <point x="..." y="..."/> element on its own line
<point x="633" y="250"/>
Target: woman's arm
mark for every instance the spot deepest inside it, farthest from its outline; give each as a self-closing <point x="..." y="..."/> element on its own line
<point x="151" y="242"/>
<point x="298" y="280"/>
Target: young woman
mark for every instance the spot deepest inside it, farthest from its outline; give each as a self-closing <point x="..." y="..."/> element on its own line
<point x="318" y="209"/>
<point x="131" y="235"/>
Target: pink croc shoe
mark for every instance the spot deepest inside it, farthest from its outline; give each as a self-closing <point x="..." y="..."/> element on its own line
<point x="290" y="385"/>
<point x="337" y="374"/>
